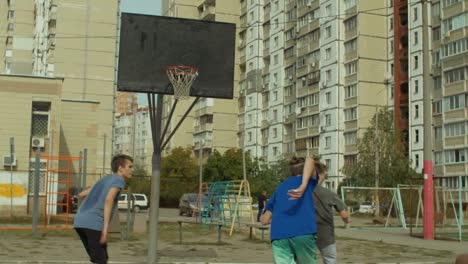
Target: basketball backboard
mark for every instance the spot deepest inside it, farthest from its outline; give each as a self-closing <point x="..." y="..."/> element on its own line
<point x="148" y="44"/>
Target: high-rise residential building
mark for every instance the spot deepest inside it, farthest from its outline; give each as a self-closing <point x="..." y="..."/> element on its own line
<point x="132" y="136"/>
<point x="448" y="46"/>
<point x="311" y="79"/>
<point x="125" y="102"/>
<point x="213" y="122"/>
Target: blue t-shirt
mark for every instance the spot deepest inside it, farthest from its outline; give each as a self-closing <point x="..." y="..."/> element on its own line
<point x="290" y="217"/>
<point x="91" y="212"/>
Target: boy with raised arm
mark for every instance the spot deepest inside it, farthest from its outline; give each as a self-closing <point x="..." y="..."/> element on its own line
<point x="293" y="225"/>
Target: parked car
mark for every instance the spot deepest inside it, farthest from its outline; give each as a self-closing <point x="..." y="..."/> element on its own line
<point x="72" y="203"/>
<point x="140" y="202"/>
<point x="188" y="204"/>
<point x="366" y="208"/>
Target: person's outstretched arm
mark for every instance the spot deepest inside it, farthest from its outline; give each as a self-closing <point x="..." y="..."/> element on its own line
<point x="108" y="204"/>
<point x="309" y="172"/>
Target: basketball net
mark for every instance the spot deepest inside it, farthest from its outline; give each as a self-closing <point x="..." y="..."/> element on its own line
<point x="181" y="78"/>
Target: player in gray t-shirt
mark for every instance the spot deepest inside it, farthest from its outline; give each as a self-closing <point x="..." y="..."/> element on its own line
<point x="93" y="217"/>
<point x="326" y="202"/>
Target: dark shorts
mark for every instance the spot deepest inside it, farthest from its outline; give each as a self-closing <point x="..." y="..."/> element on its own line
<point x="96" y="251"/>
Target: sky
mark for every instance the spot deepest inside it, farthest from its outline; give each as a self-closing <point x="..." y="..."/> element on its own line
<point x="149" y="7"/>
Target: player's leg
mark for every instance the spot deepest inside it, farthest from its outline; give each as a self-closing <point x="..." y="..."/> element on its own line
<point x="329" y="254"/>
<point x="282" y="252"/>
<point x="305" y="249"/>
<point x="97" y="251"/>
<point x="84" y="238"/>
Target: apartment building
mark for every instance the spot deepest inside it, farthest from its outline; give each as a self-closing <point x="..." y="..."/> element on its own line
<point x="449" y="21"/>
<point x="73" y="42"/>
<point x="212" y="124"/>
<point x="448" y="44"/>
<point x="133" y="136"/>
<point x="125" y="102"/>
<point x="321" y="82"/>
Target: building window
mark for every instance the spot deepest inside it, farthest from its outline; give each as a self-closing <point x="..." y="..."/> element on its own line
<point x="455" y="129"/>
<point x="249" y="119"/>
<point x="454" y="102"/>
<point x="275" y="151"/>
<point x="351" y="68"/>
<point x="350" y="91"/>
<point x="328" y="163"/>
<point x="415" y="38"/>
<point x="275" y="115"/>
<point x="416" y="86"/>
<point x="249" y="134"/>
<point x="416" y="111"/>
<point x="350" y="24"/>
<point x="391" y="23"/>
<point x="275" y="96"/>
<point x="328" y="32"/>
<point x="40" y="119"/>
<point x="416" y="136"/>
<point x="436" y="33"/>
<point x="350" y="138"/>
<point x="350" y="114"/>
<point x="327" y="119"/>
<point x="416" y="160"/>
<point x="350" y="46"/>
<point x="327" y="142"/>
<point x="455" y="75"/>
<point x="328" y="97"/>
<point x="313" y="142"/>
<point x="415" y="14"/>
<point x="42" y="176"/>
<point x="275" y="132"/>
<point x="328" y="76"/>
<point x="249" y="101"/>
<point x="416" y="62"/>
<point x="328" y="10"/>
<point x="275" y="59"/>
<point x="327" y="53"/>
<point x="455" y="156"/>
<point x="276" y="22"/>
<point x="437" y="107"/>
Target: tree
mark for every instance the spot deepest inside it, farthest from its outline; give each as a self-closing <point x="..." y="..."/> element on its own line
<point x="227" y="166"/>
<point x="267" y="176"/>
<point x="179" y="175"/>
<point x="140" y="181"/>
<point x="394" y="165"/>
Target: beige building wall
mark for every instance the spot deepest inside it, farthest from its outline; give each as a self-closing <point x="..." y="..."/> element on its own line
<point x="17" y="122"/>
<point x="74" y="41"/>
<point x="221" y="133"/>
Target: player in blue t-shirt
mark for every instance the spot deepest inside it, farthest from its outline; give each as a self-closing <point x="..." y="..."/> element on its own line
<point x="293" y="225"/>
<point x="93" y="216"/>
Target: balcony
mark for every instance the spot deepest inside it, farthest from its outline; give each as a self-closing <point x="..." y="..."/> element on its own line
<point x="204" y="111"/>
<point x="207" y="12"/>
<point x="207" y="144"/>
<point x="203" y="128"/>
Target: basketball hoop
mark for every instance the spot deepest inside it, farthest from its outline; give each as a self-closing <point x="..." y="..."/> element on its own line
<point x="181" y="78"/>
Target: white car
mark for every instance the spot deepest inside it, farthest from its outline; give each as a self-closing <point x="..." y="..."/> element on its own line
<point x="366" y="208"/>
<point x="140" y="202"/>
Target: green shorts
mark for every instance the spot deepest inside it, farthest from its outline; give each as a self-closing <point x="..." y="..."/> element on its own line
<point x="299" y="249"/>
